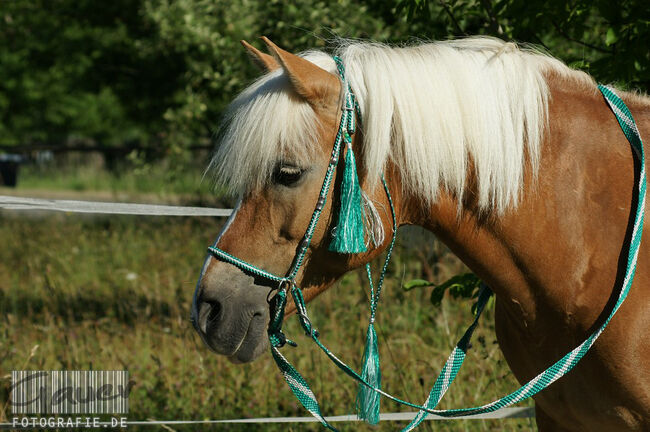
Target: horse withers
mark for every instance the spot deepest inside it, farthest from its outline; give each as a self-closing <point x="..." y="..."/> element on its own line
<point x="508" y="156"/>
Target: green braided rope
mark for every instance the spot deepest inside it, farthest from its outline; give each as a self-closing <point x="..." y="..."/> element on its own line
<point x="374" y="296"/>
<point x="346" y="127"/>
<point x="243" y="265"/>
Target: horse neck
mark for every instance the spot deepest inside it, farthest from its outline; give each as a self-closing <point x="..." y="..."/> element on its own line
<point x="560" y="247"/>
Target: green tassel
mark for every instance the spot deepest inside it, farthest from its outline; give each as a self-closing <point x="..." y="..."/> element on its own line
<point x="349" y="237"/>
<point x="367" y="399"/>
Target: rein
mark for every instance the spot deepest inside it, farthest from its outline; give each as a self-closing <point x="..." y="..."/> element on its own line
<point x="283" y="286"/>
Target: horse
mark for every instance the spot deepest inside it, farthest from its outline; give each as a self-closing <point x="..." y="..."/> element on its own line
<point x="504" y="153"/>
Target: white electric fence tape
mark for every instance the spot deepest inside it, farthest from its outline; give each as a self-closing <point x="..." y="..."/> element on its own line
<point x="97" y="207"/>
<point x="503" y="413"/>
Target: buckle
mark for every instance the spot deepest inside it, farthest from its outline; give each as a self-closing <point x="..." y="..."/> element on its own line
<point x="284" y="285"/>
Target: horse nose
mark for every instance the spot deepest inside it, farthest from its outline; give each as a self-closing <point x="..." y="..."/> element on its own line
<point x="230" y="313"/>
<point x="218" y="322"/>
<point x="210" y="312"/>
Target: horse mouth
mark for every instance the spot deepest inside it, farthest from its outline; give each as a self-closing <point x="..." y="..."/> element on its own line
<point x="254" y="342"/>
<point x="241" y="342"/>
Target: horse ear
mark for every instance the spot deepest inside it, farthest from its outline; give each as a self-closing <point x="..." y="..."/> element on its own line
<point x="264" y="61"/>
<point x="315" y="84"/>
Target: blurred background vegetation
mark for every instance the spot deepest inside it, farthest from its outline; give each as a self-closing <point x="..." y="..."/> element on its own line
<point x="143" y="83"/>
<point x="159" y="72"/>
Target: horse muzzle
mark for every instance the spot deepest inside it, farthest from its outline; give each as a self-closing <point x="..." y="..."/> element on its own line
<point x="231" y="314"/>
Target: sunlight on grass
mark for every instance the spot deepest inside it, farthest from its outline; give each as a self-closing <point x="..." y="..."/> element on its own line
<point x="89" y="173"/>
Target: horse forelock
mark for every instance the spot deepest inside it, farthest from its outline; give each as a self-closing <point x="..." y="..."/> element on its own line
<point x="266" y="124"/>
<point x="435" y="110"/>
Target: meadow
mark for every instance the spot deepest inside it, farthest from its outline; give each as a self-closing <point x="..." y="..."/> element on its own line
<point x="91" y="292"/>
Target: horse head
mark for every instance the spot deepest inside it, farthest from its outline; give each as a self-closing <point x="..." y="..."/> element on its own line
<point x="275" y="149"/>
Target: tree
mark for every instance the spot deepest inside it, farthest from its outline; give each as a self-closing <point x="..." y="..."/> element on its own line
<point x="81" y="70"/>
<point x="160" y="72"/>
<point x="154" y="72"/>
<point x="607" y="39"/>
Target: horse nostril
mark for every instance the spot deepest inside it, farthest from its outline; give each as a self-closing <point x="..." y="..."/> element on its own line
<point x="215" y="311"/>
<point x="209" y="314"/>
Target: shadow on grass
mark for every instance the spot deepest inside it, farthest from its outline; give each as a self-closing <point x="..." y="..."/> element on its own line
<point x="125" y="307"/>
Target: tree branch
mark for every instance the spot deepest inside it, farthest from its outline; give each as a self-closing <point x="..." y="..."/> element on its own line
<point x="495" y="28"/>
<point x="445" y="6"/>
<point x="569" y="38"/>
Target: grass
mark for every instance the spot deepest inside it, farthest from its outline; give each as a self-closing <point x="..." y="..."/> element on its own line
<point x="114" y="293"/>
<point x="165" y="178"/>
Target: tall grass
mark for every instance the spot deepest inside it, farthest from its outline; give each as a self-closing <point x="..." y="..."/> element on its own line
<point x="114" y="293"/>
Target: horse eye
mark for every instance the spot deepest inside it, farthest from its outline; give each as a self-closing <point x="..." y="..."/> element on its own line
<point x="287" y="175"/>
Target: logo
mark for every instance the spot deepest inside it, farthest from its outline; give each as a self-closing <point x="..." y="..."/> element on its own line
<point x="75" y="393"/>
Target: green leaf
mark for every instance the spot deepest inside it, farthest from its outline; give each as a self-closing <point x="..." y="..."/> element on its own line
<point x="612" y="36"/>
<point x="579" y="64"/>
<point x="464" y="285"/>
<point x="461" y="284"/>
<point x="417" y="283"/>
<point x="436" y="295"/>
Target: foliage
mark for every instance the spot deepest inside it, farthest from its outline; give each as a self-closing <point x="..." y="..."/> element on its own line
<point x="160" y="72"/>
<point x="77" y="70"/>
<point x="607" y="39"/>
<point x="463" y="286"/>
<point x="153" y="71"/>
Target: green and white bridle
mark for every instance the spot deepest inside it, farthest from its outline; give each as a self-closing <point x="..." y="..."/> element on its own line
<point x="283" y="285"/>
<point x="370" y="378"/>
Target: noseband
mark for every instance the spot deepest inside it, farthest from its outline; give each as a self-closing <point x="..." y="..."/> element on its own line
<point x="282" y="286"/>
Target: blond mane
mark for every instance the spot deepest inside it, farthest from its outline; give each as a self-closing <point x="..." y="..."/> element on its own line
<point x="431" y="109"/>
